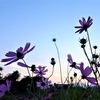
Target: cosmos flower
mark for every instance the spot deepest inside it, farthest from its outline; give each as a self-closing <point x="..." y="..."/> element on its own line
<point x="19" y="54"/>
<point x="70" y="60"/>
<point x="47" y="97"/>
<point x="84" y="25"/>
<point x="40" y="71"/>
<point x="44" y="83"/>
<point x="4" y="88"/>
<point x="86" y="72"/>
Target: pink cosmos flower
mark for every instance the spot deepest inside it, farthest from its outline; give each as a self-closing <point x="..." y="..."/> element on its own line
<point x="40" y="71"/>
<point x="86" y="72"/>
<point x="47" y="97"/>
<point x="19" y="54"/>
<point x="84" y="24"/>
<point x="4" y="88"/>
<point x="44" y="83"/>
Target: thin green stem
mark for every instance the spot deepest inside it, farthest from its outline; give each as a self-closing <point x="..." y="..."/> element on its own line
<point x="27" y="67"/>
<point x="89" y="42"/>
<point x="52" y="72"/>
<point x="59" y="62"/>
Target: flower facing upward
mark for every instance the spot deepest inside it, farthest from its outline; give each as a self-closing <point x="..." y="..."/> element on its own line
<point x="70" y="60"/>
<point x="44" y="83"/>
<point x="84" y="25"/>
<point x="47" y="97"/>
<point x="4" y="88"/>
<point x="40" y="71"/>
<point x="86" y="72"/>
<point x="19" y="54"/>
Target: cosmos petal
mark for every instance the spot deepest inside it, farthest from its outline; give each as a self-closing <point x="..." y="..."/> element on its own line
<point x="26" y="47"/>
<point x="10" y="54"/>
<point x="87" y="71"/>
<point x="91" y="80"/>
<point x="30" y="50"/>
<point x="23" y="65"/>
<point x="70" y="60"/>
<point x="7" y="59"/>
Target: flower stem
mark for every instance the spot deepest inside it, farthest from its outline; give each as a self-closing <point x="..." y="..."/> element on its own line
<point x="89" y="42"/>
<point x="27" y="67"/>
<point x="52" y="72"/>
<point x="59" y="62"/>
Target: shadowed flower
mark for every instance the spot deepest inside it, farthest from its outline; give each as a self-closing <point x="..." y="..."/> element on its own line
<point x="86" y="72"/>
<point x="84" y="25"/>
<point x="53" y="62"/>
<point x="47" y="97"/>
<point x="4" y="88"/>
<point x="19" y="54"/>
<point x="70" y="60"/>
<point x="44" y="83"/>
<point x="40" y="71"/>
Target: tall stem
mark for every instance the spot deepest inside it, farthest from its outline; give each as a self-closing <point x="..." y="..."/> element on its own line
<point x="89" y="42"/>
<point x="59" y="62"/>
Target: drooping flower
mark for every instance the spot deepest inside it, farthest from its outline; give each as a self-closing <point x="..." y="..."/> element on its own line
<point x="84" y="24"/>
<point x="44" y="83"/>
<point x="19" y="54"/>
<point x="4" y="88"/>
<point x="70" y="60"/>
<point x="40" y="71"/>
<point x="86" y="72"/>
<point x="47" y="97"/>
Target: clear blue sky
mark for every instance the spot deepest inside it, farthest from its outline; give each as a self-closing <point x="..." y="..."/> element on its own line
<point x="38" y="21"/>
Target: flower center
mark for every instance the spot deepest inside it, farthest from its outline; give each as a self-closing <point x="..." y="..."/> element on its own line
<point x="83" y="77"/>
<point x="19" y="55"/>
<point x="40" y="73"/>
<point x="73" y="64"/>
<point x="85" y="27"/>
<point x="43" y="84"/>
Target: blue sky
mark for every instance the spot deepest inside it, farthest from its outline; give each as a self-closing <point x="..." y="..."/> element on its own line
<point x="37" y="22"/>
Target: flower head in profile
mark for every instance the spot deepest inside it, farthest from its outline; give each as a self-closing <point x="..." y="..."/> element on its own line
<point x="47" y="97"/>
<point x="70" y="60"/>
<point x="86" y="72"/>
<point x="19" y="54"/>
<point x="44" y="83"/>
<point x="84" y="24"/>
<point x="40" y="71"/>
<point x="4" y="88"/>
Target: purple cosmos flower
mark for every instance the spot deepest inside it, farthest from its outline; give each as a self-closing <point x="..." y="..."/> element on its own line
<point x="70" y="60"/>
<point x="44" y="83"/>
<point x="19" y="54"/>
<point x="4" y="88"/>
<point x="47" y="97"/>
<point x="86" y="72"/>
<point x="40" y="71"/>
<point x="84" y="24"/>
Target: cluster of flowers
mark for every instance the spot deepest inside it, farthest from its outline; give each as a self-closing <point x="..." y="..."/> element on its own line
<point x="41" y="71"/>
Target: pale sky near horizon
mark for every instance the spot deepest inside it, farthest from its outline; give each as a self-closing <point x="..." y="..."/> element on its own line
<point x="38" y="22"/>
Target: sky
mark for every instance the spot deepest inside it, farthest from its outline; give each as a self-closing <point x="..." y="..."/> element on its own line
<point x="38" y="22"/>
